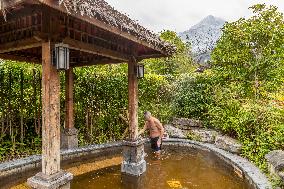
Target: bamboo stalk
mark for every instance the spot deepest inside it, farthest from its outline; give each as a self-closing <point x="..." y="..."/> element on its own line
<point x="40" y="101"/>
<point x="2" y="104"/>
<point x="9" y="104"/>
<point x="35" y="104"/>
<point x="126" y="121"/>
<point x="2" y="127"/>
<point x="22" y="104"/>
<point x="91" y="129"/>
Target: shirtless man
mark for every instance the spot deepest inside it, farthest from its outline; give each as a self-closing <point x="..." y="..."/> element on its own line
<point x="156" y="131"/>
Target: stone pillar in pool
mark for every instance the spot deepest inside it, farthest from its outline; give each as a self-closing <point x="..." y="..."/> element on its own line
<point x="133" y="149"/>
<point x="133" y="158"/>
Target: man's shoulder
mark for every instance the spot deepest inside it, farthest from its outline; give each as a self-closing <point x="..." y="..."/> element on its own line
<point x="156" y="120"/>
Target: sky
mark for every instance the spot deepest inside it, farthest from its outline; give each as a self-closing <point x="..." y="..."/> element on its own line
<point x="180" y="15"/>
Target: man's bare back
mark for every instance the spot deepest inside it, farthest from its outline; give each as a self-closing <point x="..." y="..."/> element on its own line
<point x="153" y="127"/>
<point x="156" y="131"/>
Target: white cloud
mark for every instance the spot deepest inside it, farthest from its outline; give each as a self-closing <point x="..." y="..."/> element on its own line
<point x="179" y="15"/>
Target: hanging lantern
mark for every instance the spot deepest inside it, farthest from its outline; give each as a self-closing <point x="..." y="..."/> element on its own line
<point x="140" y="71"/>
<point x="61" y="56"/>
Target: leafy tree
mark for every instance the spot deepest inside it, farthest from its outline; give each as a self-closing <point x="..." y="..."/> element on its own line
<point x="173" y="38"/>
<point x="251" y="51"/>
<point x="180" y="63"/>
<point x="243" y="94"/>
<point x="248" y="65"/>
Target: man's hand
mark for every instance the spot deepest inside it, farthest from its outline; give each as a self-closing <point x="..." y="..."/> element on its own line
<point x="159" y="142"/>
<point x="142" y="130"/>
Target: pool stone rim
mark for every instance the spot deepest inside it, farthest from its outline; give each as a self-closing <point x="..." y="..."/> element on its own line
<point x="248" y="170"/>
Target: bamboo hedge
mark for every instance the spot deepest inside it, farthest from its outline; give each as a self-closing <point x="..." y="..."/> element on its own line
<point x="100" y="97"/>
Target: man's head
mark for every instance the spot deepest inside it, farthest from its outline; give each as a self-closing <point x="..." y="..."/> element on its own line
<point x="147" y="115"/>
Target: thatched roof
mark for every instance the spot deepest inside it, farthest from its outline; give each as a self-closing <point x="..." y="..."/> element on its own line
<point x="102" y="11"/>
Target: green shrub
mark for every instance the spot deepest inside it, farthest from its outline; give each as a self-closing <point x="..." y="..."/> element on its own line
<point x="100" y="96"/>
<point x="256" y="125"/>
<point x="193" y="95"/>
<point x="248" y="96"/>
<point x="193" y="136"/>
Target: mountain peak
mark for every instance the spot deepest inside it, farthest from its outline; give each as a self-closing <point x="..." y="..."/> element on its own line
<point x="210" y="20"/>
<point x="209" y="17"/>
<point x="203" y="36"/>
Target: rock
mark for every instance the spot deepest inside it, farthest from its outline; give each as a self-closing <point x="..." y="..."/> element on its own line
<point x="281" y="175"/>
<point x="228" y="144"/>
<point x="275" y="161"/>
<point x="184" y="123"/>
<point x="204" y="135"/>
<point x="174" y="132"/>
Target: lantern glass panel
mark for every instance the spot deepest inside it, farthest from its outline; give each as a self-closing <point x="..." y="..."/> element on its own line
<point x="67" y="58"/>
<point x="62" y="58"/>
<point x="140" y="71"/>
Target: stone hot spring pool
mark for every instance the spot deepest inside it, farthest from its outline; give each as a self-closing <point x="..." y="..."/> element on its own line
<point x="177" y="168"/>
<point x="183" y="164"/>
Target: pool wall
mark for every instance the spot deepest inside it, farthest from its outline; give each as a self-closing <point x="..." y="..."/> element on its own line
<point x="17" y="171"/>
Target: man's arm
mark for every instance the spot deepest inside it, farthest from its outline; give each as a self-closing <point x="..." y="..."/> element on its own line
<point x="143" y="130"/>
<point x="161" y="128"/>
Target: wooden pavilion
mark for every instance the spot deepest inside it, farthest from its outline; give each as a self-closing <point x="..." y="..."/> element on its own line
<point x="94" y="33"/>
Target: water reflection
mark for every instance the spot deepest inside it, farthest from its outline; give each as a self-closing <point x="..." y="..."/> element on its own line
<point x="132" y="182"/>
<point x="175" y="168"/>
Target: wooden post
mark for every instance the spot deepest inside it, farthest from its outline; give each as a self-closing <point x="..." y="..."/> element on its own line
<point x="133" y="99"/>
<point x="133" y="151"/>
<point x="69" y="136"/>
<point x="69" y="81"/>
<point x="50" y="114"/>
<point x="51" y="176"/>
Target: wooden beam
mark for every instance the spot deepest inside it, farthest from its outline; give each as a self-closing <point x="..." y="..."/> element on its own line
<point x="50" y="114"/>
<point x="139" y="58"/>
<point x="133" y="99"/>
<point x="20" y="45"/>
<point x="69" y="83"/>
<point x="97" y="62"/>
<point x="19" y="58"/>
<point x="94" y="49"/>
